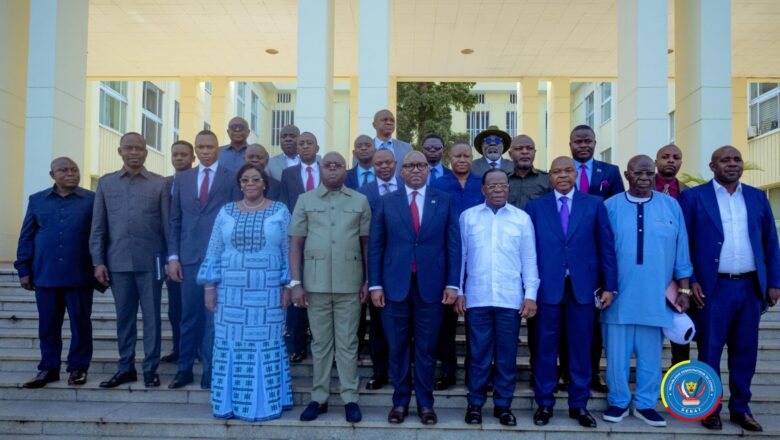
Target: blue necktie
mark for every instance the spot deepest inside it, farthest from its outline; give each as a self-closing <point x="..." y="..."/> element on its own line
<point x="565" y="214"/>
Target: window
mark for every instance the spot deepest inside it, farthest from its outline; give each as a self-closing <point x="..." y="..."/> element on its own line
<point x="764" y="108"/>
<point x="151" y="116"/>
<point x="255" y="113"/>
<point x="477" y="122"/>
<point x="113" y="105"/>
<point x="480" y="98"/>
<point x="207" y="87"/>
<point x="511" y="123"/>
<point x="606" y="155"/>
<point x="240" y="95"/>
<point x="176" y="112"/>
<point x="284" y="97"/>
<point x="672" y="126"/>
<point x="280" y="118"/>
<point x="513" y="98"/>
<point x="589" y="110"/>
<point x="606" y="102"/>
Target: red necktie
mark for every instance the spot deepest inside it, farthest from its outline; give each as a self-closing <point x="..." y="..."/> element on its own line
<point x="204" y="188"/>
<point x="309" y="180"/>
<point x="584" y="186"/>
<point x="415" y="223"/>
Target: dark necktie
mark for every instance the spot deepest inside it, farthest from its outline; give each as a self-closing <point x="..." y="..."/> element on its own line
<point x="203" y="195"/>
<point x="493" y="164"/>
<point x="565" y="214"/>
<point x="386" y="186"/>
<point x="415" y="223"/>
<point x="365" y="177"/>
<point x="584" y="186"/>
<point x="434" y="172"/>
<point x="309" y="180"/>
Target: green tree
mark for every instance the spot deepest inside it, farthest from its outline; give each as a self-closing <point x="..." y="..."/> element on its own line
<point x="426" y="107"/>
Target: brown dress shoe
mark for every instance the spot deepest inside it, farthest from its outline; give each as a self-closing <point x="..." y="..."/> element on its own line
<point x="746" y="421"/>
<point x="427" y="416"/>
<point x="77" y="377"/>
<point x="397" y="414"/>
<point x="712" y="421"/>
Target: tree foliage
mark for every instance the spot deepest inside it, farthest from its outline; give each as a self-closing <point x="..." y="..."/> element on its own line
<point x="426" y="107"/>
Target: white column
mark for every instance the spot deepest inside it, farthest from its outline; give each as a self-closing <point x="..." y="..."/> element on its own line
<point x="702" y="80"/>
<point x="56" y="87"/>
<point x="220" y="114"/>
<point x="528" y="102"/>
<point x="558" y="118"/>
<point x="642" y="110"/>
<point x="373" y="61"/>
<point x="314" y="95"/>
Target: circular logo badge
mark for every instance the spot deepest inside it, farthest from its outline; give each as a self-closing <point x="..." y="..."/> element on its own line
<point x="691" y="391"/>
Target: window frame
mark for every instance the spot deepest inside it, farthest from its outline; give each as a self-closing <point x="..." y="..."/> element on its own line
<point x="151" y="117"/>
<point x="111" y="93"/>
<point x="606" y="102"/>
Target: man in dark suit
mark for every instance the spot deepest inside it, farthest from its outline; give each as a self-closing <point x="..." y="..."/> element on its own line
<point x="182" y="158"/>
<point x="53" y="260"/>
<point x="297" y="180"/>
<point x="736" y="261"/>
<point x="384" y="124"/>
<point x="576" y="256"/>
<point x="413" y="268"/>
<point x="433" y="149"/>
<point x="492" y="144"/>
<point x="363" y="172"/>
<point x="257" y="155"/>
<point x="198" y="196"/>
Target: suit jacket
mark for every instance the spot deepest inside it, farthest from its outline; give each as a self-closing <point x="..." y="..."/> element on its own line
<point x="605" y="180"/>
<point x="272" y="187"/>
<point x="277" y="164"/>
<point x="291" y="186"/>
<point x="353" y="179"/>
<point x="705" y="235"/>
<point x="371" y="191"/>
<point x="191" y="225"/>
<point x="587" y="249"/>
<point x="393" y="246"/>
<point x="481" y="165"/>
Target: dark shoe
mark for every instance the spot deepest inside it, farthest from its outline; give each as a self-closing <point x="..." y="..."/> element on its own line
<point x="77" y="377"/>
<point x="205" y="381"/>
<point x="397" y="414"/>
<point x="650" y="416"/>
<point x="543" y="415"/>
<point x="563" y="384"/>
<point x="352" y="412"/>
<point x="582" y="416"/>
<point x="427" y="415"/>
<point x="297" y="358"/>
<point x="182" y="379"/>
<point x="444" y="382"/>
<point x="42" y="378"/>
<point x="151" y="379"/>
<point x="473" y="414"/>
<point x="313" y="410"/>
<point x="170" y="358"/>
<point x="376" y="382"/>
<point x="712" y="422"/>
<point x="746" y="421"/>
<point x="598" y="385"/>
<point x="504" y="415"/>
<point x="119" y="378"/>
<point x="614" y="414"/>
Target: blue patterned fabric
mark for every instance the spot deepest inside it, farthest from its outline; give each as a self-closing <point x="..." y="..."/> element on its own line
<point x="247" y="260"/>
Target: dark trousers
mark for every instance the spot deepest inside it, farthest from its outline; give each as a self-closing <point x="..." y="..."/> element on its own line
<point x="445" y="352"/>
<point x="730" y="317"/>
<point x="550" y="319"/>
<point x="197" y="324"/>
<point x="596" y="347"/>
<point x="52" y="303"/>
<point x="131" y="289"/>
<point x="174" y="312"/>
<point x="377" y="343"/>
<point x="297" y="323"/>
<point x="404" y="320"/>
<point x="493" y="335"/>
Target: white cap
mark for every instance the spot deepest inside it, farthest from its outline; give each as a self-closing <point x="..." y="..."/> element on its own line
<point x="682" y="330"/>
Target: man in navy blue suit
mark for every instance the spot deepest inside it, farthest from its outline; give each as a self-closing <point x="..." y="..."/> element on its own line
<point x="363" y="172"/>
<point x="433" y="149"/>
<point x="413" y="268"/>
<point x="576" y="254"/>
<point x="736" y="261"/>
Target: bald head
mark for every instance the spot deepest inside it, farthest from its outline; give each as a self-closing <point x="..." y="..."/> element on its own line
<point x="640" y="174"/>
<point x="66" y="175"/>
<point x="638" y="160"/>
<point x="668" y="161"/>
<point x="561" y="161"/>
<point x="727" y="166"/>
<point x="384" y="124"/>
<point x="384" y="164"/>
<point x="257" y="155"/>
<point x="288" y="140"/>
<point x="62" y="161"/>
<point x="726" y="150"/>
<point x="522" y="151"/>
<point x="364" y="150"/>
<point x="415" y="169"/>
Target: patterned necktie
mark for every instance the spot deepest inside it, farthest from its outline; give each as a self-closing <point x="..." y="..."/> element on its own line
<point x="666" y="189"/>
<point x="365" y="177"/>
<point x="565" y="214"/>
<point x="203" y="195"/>
<point x="386" y="186"/>
<point x="415" y="223"/>
<point x="493" y="164"/>
<point x="584" y="186"/>
<point x="309" y="180"/>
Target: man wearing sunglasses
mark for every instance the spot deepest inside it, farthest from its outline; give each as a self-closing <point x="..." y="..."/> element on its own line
<point x="491" y="144"/>
<point x="433" y="149"/>
<point x="231" y="156"/>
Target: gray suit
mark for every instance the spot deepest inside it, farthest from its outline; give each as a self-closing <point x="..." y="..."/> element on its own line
<point x="129" y="228"/>
<point x="399" y="149"/>
<point x="277" y="164"/>
<point x="481" y="165"/>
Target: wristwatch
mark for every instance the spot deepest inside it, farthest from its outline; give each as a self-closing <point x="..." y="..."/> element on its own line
<point x="686" y="292"/>
<point x="293" y="283"/>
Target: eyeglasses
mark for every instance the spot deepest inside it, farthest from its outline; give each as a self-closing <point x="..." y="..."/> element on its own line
<point x="493" y="140"/>
<point x="419" y="166"/>
<point x="495" y="186"/>
<point x="237" y="127"/>
<point x="433" y="147"/>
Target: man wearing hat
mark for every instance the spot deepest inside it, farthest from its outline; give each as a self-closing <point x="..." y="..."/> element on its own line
<point x="491" y="144"/>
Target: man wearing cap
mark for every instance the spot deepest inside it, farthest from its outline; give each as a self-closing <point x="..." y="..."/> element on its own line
<point x="491" y="144"/>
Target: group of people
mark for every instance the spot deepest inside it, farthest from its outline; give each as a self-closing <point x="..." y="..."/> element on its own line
<point x="257" y="252"/>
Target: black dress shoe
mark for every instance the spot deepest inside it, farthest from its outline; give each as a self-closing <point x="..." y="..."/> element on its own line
<point x="397" y="414"/>
<point x="183" y="378"/>
<point x="746" y="421"/>
<point x="151" y="379"/>
<point x="205" y="382"/>
<point x="42" y="378"/>
<point x="713" y="422"/>
<point x="377" y="381"/>
<point x="504" y="415"/>
<point x="427" y="415"/>
<point x="297" y="358"/>
<point x="352" y="413"/>
<point x="313" y="409"/>
<point x="119" y="378"/>
<point x="77" y="377"/>
<point x="444" y="382"/>
<point x="473" y="414"/>
<point x="543" y="415"/>
<point x="170" y="358"/>
<point x="582" y="416"/>
<point x="596" y="384"/>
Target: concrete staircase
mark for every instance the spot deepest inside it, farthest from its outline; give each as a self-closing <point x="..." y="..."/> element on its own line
<point x="132" y="411"/>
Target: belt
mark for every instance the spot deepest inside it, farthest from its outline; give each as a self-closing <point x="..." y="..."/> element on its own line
<point x="737" y="276"/>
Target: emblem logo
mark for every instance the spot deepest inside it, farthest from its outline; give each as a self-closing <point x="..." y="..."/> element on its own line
<point x="691" y="391"/>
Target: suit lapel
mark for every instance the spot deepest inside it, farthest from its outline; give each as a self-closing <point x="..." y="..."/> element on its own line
<point x="430" y="205"/>
<point x="596" y="176"/>
<point x="402" y="207"/>
<point x="219" y="179"/>
<point x="753" y="224"/>
<point x="575" y="214"/>
<point x="710" y="202"/>
<point x="554" y="216"/>
<point x="300" y="188"/>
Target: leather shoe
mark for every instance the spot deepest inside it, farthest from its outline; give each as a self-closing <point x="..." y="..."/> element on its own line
<point x="397" y="414"/>
<point x="473" y="414"/>
<point x="42" y="378"/>
<point x="352" y="412"/>
<point x="297" y="358"/>
<point x="543" y="415"/>
<point x="119" y="378"/>
<point x="444" y="382"/>
<point x="504" y="415"/>
<point x="598" y="385"/>
<point x="77" y="377"/>
<point x="151" y="379"/>
<point x="205" y="381"/>
<point x="713" y="422"/>
<point x="427" y="415"/>
<point x="377" y="381"/>
<point x="746" y="421"/>
<point x="313" y="409"/>
<point x="182" y="379"/>
<point x="582" y="416"/>
<point x="170" y="358"/>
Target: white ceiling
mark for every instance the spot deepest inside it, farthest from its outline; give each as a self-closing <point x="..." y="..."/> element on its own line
<point x="510" y="38"/>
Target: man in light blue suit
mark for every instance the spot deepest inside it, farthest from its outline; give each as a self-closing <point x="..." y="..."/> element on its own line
<point x="413" y="268"/>
<point x="198" y="196"/>
<point x="384" y="124"/>
<point x="736" y="261"/>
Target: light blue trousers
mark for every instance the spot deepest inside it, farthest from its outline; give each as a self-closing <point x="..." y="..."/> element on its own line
<point x="646" y="343"/>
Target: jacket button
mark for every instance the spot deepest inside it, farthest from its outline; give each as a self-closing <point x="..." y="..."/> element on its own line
<point x="720" y="244"/>
<point x="717" y="261"/>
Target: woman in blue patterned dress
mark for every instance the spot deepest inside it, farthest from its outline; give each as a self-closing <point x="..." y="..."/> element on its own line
<point x="243" y="272"/>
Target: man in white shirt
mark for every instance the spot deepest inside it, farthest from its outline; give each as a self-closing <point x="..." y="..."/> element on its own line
<point x="498" y="256"/>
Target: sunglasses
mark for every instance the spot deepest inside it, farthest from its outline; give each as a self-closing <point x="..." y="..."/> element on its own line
<point x="493" y="140"/>
<point x="237" y="127"/>
<point x="419" y="166"/>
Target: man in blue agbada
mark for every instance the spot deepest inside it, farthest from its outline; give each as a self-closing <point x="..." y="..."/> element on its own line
<point x="651" y="244"/>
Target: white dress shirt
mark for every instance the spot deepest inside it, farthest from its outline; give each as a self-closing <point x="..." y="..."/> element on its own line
<point x="292" y="162"/>
<point x="315" y="172"/>
<point x="202" y="174"/>
<point x="736" y="254"/>
<point x="569" y="196"/>
<point x="420" y="200"/>
<point x="392" y="185"/>
<point x="499" y="254"/>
